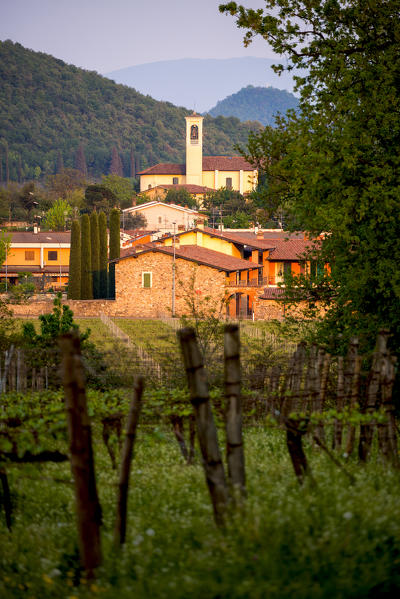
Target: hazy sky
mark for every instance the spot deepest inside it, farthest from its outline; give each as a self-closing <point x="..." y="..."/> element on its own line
<point x="105" y="35"/>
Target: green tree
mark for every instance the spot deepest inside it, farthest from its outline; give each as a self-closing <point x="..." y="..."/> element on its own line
<point x="99" y="197"/>
<point x="56" y="217"/>
<point x="74" y="281"/>
<point x="95" y="248"/>
<point x="86" y="259"/>
<point x="115" y="244"/>
<point x="181" y="197"/>
<point x="122" y="189"/>
<point x="339" y="169"/>
<point x="103" y="255"/>
<point x="5" y="244"/>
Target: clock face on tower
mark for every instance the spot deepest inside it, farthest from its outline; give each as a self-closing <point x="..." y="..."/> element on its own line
<point x="194" y="133"/>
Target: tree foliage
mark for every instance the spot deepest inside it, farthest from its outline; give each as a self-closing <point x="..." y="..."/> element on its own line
<point x="181" y="197"/>
<point x="86" y="259"/>
<point x="103" y="255"/>
<point x="339" y="166"/>
<point x="74" y="280"/>
<point x="60" y="108"/>
<point x="95" y="252"/>
<point x="56" y="218"/>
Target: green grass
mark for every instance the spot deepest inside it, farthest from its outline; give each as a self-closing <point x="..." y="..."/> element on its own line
<point x="147" y="332"/>
<point x="333" y="540"/>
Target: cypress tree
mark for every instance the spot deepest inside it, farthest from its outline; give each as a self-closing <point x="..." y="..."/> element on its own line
<point x="80" y="161"/>
<point x="116" y="163"/>
<point x="132" y="164"/>
<point x="114" y="249"/>
<point x="103" y="254"/>
<point x="95" y="249"/>
<point x="86" y="259"/>
<point x="74" y="281"/>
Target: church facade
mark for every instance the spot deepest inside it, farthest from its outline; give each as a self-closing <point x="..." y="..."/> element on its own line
<point x="208" y="172"/>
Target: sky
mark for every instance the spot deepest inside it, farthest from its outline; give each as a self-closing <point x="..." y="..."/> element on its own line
<point x="106" y="35"/>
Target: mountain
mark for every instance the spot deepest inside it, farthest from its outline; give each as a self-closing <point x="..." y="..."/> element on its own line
<point x="199" y="83"/>
<point x="49" y="110"/>
<point x="256" y="104"/>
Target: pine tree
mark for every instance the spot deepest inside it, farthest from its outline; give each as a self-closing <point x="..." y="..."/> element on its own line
<point x="74" y="282"/>
<point x="7" y="167"/>
<point x="86" y="259"/>
<point x="114" y="249"/>
<point x="132" y="164"/>
<point x="60" y="163"/>
<point x="80" y="161"/>
<point x="95" y="247"/>
<point x="103" y="253"/>
<point x="116" y="163"/>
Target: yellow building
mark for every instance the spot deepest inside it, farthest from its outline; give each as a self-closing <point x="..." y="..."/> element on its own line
<point x="44" y="255"/>
<point x="208" y="172"/>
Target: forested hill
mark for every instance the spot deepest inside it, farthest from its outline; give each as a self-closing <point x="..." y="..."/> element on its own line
<point x="256" y="104"/>
<point x="50" y="111"/>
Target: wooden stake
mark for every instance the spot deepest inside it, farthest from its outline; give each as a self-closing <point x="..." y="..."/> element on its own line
<point x="6" y="497"/>
<point x="234" y="436"/>
<point x="206" y="430"/>
<point x="81" y="454"/>
<point x="133" y="419"/>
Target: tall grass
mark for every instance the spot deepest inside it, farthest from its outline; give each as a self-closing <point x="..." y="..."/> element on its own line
<point x="332" y="540"/>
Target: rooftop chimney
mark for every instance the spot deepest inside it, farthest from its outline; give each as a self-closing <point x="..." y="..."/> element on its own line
<point x="260" y="234"/>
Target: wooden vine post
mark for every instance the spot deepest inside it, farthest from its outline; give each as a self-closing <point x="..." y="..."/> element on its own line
<point x="133" y="419"/>
<point x="234" y="436"/>
<point x="81" y="454"/>
<point x="205" y="426"/>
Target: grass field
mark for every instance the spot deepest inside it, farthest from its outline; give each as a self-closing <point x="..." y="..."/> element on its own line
<point x="332" y="540"/>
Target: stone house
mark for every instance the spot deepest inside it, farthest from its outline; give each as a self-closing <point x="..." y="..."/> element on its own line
<point x="159" y="281"/>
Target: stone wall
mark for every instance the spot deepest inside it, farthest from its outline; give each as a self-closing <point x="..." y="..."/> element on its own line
<point x="191" y="280"/>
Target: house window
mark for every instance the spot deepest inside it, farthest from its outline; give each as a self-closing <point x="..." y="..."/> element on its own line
<point x="159" y="220"/>
<point x="52" y="255"/>
<point x="175" y="180"/>
<point x="147" y="279"/>
<point x="29" y="255"/>
<point x="228" y="184"/>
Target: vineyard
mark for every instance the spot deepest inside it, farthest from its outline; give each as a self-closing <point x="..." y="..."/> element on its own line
<point x="273" y="473"/>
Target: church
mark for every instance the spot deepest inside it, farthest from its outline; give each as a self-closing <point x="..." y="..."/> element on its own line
<point x="200" y="173"/>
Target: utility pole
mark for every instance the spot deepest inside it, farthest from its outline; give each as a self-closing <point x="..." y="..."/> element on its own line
<point x="173" y="277"/>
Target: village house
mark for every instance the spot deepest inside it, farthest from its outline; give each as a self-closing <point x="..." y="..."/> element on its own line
<point x="166" y="217"/>
<point x="206" y="172"/>
<point x="145" y="283"/>
<point x="43" y="255"/>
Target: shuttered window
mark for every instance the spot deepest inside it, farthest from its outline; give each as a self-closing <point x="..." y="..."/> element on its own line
<point x="29" y="255"/>
<point x="146" y="279"/>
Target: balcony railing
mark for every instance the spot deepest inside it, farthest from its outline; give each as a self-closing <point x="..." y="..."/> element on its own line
<point x="252" y="283"/>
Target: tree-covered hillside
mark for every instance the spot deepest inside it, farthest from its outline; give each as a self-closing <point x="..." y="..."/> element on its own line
<point x="256" y="104"/>
<point x="54" y="115"/>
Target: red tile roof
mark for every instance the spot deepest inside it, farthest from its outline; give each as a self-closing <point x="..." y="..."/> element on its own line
<point x="42" y="237"/>
<point x="271" y="293"/>
<point x="196" y="254"/>
<point x="190" y="187"/>
<point x="210" y="163"/>
<point x="165" y="168"/>
<point x="226" y="163"/>
<point x="292" y="250"/>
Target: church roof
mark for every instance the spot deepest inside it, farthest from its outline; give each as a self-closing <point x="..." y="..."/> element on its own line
<point x="190" y="187"/>
<point x="226" y="163"/>
<point x="165" y="168"/>
<point x="210" y="163"/>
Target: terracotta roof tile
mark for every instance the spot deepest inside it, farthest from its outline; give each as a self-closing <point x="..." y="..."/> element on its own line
<point x="210" y="163"/>
<point x="290" y="250"/>
<point x="190" y="187"/>
<point x="41" y="237"/>
<point x="271" y="293"/>
<point x="226" y="163"/>
<point x="197" y="254"/>
<point x="165" y="168"/>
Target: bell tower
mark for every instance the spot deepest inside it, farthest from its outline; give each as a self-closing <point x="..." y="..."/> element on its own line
<point x="194" y="149"/>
